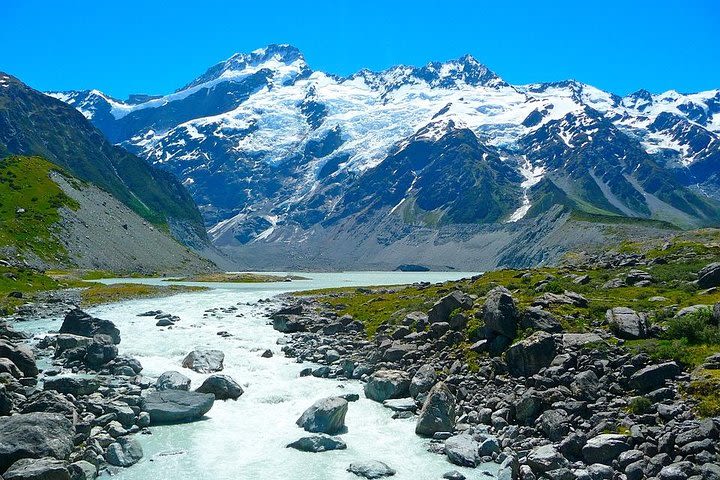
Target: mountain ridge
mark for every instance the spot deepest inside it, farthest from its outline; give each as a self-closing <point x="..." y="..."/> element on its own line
<point x="272" y="151"/>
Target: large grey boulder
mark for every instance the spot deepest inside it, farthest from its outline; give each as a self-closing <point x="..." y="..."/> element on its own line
<point x="500" y="312"/>
<point x="288" y="324"/>
<point x="709" y="276"/>
<point x="371" y="469"/>
<point x="437" y="413"/>
<point x="172" y="381"/>
<point x="537" y="318"/>
<point x="82" y="470"/>
<point x="76" y="386"/>
<point x="422" y="381"/>
<point x="124" y="452"/>
<point x="21" y="355"/>
<point x="46" y="468"/>
<point x="385" y="384"/>
<point x="327" y="415"/>
<point x="204" y="361"/>
<point x="441" y="310"/>
<point x="529" y="356"/>
<point x="604" y="448"/>
<point x="7" y="366"/>
<point x="177" y="406"/>
<point x="463" y="450"/>
<point x="546" y="458"/>
<point x="77" y="322"/>
<point x="34" y="435"/>
<point x="222" y="386"/>
<point x="318" y="443"/>
<point x="653" y="377"/>
<point x="626" y="323"/>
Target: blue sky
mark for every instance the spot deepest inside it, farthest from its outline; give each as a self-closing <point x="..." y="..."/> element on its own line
<point x="150" y="47"/>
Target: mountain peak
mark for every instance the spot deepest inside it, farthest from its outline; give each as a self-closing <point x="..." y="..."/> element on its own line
<point x="283" y="59"/>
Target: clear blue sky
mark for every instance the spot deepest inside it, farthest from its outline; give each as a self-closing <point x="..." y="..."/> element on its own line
<point x="149" y="47"/>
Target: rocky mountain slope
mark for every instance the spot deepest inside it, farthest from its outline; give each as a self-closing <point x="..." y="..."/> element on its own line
<point x="53" y="220"/>
<point x="32" y="123"/>
<point x="304" y="164"/>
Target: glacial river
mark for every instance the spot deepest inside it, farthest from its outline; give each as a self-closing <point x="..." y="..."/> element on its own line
<point x="246" y="439"/>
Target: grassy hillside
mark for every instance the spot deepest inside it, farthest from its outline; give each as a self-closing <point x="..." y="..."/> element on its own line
<point x="29" y="203"/>
<point x="32" y="123"/>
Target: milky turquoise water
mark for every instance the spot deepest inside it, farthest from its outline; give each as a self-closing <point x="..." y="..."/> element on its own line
<point x="245" y="439"/>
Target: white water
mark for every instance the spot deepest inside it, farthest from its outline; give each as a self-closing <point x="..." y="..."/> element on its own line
<point x="245" y="439"/>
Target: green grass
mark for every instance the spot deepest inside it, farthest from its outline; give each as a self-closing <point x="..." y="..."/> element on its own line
<point x="24" y="280"/>
<point x="25" y="184"/>
<point x="98" y="293"/>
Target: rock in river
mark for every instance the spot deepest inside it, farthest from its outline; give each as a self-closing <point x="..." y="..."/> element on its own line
<point x="325" y="416"/>
<point x="80" y="323"/>
<point x="172" y="381"/>
<point x="204" y="361"/>
<point x="177" y="406"/>
<point x="463" y="450"/>
<point x="318" y="443"/>
<point x="222" y="386"/>
<point x="385" y="384"/>
<point x="126" y="451"/>
<point x="34" y="435"/>
<point x="438" y="412"/>
<point x="371" y="469"/>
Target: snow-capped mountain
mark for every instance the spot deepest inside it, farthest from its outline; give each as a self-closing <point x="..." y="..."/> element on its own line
<point x="276" y="153"/>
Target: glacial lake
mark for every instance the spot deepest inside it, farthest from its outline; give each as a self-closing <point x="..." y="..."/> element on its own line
<point x="247" y="438"/>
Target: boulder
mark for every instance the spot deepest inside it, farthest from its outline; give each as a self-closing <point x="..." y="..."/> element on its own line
<point x="529" y="356"/>
<point x="49" y="401"/>
<point x="604" y="448"/>
<point x="77" y="322"/>
<point x="46" y="468"/>
<point x="441" y="310"/>
<point x="422" y="381"/>
<point x="626" y="323"/>
<point x="34" y="435"/>
<point x="555" y="424"/>
<point x="371" y="469"/>
<point x="222" y="386"/>
<point x="546" y="458"/>
<point x="76" y="386"/>
<point x="82" y="470"/>
<point x="7" y="366"/>
<point x="438" y="412"/>
<point x="177" y="406"/>
<point x="172" y="381"/>
<point x="124" y="452"/>
<point x="385" y="384"/>
<point x="462" y="450"/>
<point x="204" y="361"/>
<point x="325" y="416"/>
<point x="585" y="385"/>
<point x="709" y="276"/>
<point x="318" y="443"/>
<point x="287" y="324"/>
<point x="536" y="318"/>
<point x="500" y="312"/>
<point x="100" y="351"/>
<point x="21" y="355"/>
<point x="653" y="377"/>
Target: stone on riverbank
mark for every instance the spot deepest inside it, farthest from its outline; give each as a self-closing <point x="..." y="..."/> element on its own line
<point x="463" y="450"/>
<point x="46" y="468"/>
<point x="531" y="355"/>
<point x="422" y="381"/>
<point x="438" y="412"/>
<point x="385" y="384"/>
<point x="327" y="415"/>
<point x="126" y="451"/>
<point x="34" y="435"/>
<point x="21" y="355"/>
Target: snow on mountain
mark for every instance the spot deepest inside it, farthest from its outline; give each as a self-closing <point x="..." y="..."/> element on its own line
<point x="261" y="135"/>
